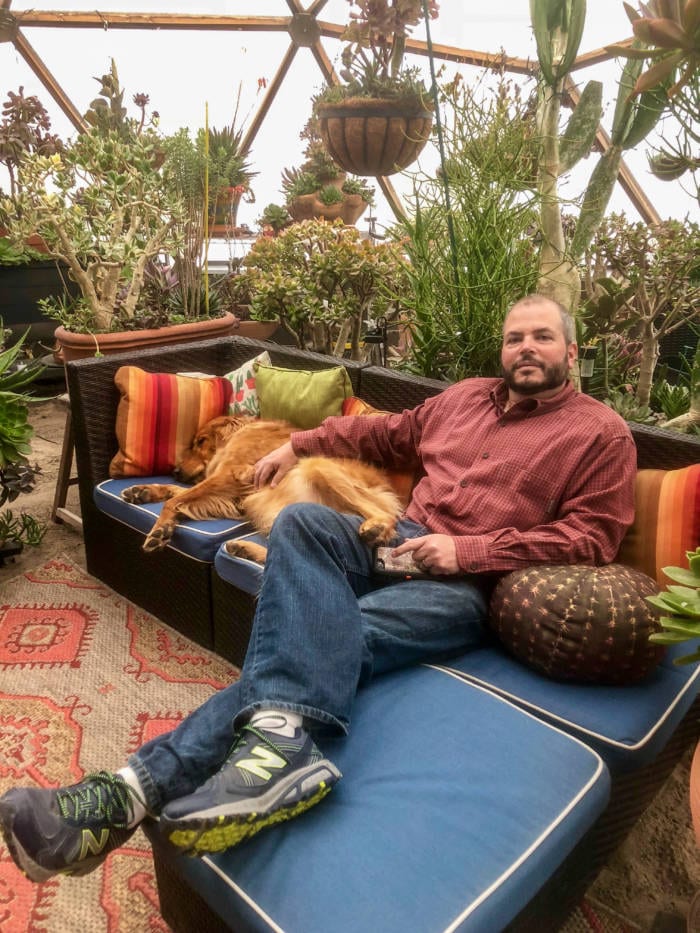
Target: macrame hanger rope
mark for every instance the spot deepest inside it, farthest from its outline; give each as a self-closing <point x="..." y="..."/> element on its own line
<point x="441" y="149"/>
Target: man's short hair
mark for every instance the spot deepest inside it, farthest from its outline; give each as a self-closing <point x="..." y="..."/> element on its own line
<point x="568" y="325"/>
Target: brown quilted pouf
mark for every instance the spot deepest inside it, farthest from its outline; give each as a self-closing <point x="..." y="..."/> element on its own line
<point x="576" y="623"/>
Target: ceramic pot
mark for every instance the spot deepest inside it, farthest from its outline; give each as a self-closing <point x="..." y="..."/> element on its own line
<point x="75" y="346"/>
<point x="308" y="206"/>
<point x="695" y="792"/>
<point x="373" y="137"/>
<point x="223" y="221"/>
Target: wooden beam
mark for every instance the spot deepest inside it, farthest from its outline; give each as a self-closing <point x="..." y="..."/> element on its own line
<point x="90" y="19"/>
<point x="47" y="79"/>
<point x="272" y="90"/>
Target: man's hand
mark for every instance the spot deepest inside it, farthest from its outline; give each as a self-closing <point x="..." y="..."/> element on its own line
<point x="273" y="466"/>
<point x="436" y="554"/>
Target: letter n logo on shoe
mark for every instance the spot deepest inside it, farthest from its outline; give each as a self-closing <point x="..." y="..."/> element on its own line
<point x="264" y="758"/>
<point x="89" y="843"/>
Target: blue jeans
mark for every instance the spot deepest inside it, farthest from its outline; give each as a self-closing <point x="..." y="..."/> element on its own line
<point x="324" y="624"/>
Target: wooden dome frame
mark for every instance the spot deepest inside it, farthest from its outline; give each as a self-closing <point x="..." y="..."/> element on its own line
<point x="305" y="30"/>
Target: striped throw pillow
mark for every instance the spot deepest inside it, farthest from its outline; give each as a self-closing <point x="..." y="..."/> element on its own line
<point x="159" y="414"/>
<point x="666" y="521"/>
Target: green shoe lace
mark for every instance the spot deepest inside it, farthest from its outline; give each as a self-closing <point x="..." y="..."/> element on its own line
<point x="101" y="796"/>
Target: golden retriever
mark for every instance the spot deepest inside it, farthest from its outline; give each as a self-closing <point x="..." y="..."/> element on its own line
<point x="221" y="461"/>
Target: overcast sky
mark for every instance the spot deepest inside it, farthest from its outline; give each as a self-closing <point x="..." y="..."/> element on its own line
<point x="182" y="71"/>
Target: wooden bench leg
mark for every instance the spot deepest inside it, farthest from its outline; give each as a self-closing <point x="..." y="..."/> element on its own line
<point x="59" y="512"/>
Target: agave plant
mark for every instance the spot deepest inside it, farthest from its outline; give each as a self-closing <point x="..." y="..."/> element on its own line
<point x="671" y="31"/>
<point x="682" y="607"/>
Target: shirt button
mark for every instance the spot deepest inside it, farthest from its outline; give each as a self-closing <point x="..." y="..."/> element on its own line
<point x="485" y="456"/>
<point x="473" y="565"/>
<point x="463" y="483"/>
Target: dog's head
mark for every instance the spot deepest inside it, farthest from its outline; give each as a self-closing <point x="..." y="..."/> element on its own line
<point x="210" y="438"/>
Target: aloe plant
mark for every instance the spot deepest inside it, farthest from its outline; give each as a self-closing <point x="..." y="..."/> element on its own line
<point x="681" y="605"/>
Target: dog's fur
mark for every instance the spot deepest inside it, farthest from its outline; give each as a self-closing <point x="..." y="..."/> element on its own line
<point x="221" y="460"/>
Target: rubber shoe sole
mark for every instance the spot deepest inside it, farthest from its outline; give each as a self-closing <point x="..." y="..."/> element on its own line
<point x="229" y="825"/>
<point x="38" y="873"/>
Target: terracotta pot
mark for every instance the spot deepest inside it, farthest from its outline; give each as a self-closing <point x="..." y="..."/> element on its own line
<point x="308" y="206"/>
<point x="695" y="791"/>
<point x="75" y="346"/>
<point x="256" y="330"/>
<point x="223" y="220"/>
<point x="373" y="137"/>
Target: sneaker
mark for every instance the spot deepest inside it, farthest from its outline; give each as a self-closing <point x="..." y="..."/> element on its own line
<point x="266" y="779"/>
<point x="69" y="831"/>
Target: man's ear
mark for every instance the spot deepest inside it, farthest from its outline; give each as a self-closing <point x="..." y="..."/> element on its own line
<point x="572" y="354"/>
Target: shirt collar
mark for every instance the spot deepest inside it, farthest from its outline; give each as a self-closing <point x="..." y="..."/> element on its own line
<point x="530" y="406"/>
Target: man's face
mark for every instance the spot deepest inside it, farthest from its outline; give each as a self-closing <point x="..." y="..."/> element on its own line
<point x="535" y="356"/>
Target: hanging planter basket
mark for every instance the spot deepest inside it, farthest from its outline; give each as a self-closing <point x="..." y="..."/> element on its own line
<point x="373" y="137"/>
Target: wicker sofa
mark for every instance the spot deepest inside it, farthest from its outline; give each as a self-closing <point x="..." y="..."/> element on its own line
<point x="544" y="780"/>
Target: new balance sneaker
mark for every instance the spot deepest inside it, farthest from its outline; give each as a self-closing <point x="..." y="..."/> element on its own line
<point x="266" y="779"/>
<point x="69" y="831"/>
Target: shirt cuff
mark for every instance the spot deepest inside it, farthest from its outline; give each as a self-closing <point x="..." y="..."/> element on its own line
<point x="303" y="443"/>
<point x="473" y="553"/>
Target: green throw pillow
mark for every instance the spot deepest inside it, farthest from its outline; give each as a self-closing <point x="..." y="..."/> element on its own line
<point x="300" y="396"/>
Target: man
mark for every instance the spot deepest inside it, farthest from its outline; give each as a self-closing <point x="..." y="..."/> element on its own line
<point x="513" y="472"/>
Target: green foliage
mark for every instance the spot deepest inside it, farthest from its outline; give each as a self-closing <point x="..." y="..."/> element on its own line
<point x="626" y="405"/>
<point x="681" y="605"/>
<point x="275" y="216"/>
<point x="373" y="58"/>
<point x="24" y="128"/>
<point x="558" y="27"/>
<point x="102" y="208"/>
<point x="318" y="171"/>
<point x="330" y="195"/>
<point x="22" y="527"/>
<point x="470" y="262"/>
<point x="16" y="475"/>
<point x="323" y="281"/>
<point x="643" y="281"/>
<point x="673" y="400"/>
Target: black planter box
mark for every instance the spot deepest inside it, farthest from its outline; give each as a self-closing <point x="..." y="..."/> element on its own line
<point x="21" y="287"/>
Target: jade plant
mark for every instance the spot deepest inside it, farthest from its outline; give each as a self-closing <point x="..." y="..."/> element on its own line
<point x="681" y="607"/>
<point x="324" y="282"/>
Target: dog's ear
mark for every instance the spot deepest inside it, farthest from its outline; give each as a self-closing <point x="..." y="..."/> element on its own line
<point x="227" y="425"/>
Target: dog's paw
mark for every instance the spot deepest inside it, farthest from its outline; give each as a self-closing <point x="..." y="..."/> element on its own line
<point x="159" y="537"/>
<point x="373" y="531"/>
<point x="137" y="494"/>
<point x="247" y="549"/>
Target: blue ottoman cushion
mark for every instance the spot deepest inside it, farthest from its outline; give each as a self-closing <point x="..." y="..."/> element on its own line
<point x="197" y="539"/>
<point x="455" y="807"/>
<point x="238" y="571"/>
<point x="628" y="725"/>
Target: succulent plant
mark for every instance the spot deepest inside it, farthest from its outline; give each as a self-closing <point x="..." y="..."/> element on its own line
<point x="681" y="605"/>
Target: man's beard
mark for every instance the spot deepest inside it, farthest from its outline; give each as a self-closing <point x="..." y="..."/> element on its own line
<point x="553" y="376"/>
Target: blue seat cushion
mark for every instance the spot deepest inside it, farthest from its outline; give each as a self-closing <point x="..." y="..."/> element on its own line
<point x="239" y="571"/>
<point x="197" y="539"/>
<point x="454" y="808"/>
<point x="628" y="725"/>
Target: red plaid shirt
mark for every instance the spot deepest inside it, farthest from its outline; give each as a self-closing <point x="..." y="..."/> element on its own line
<point x="549" y="481"/>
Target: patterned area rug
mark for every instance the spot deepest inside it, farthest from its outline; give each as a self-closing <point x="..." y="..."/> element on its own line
<point x="593" y="917"/>
<point x="86" y="678"/>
